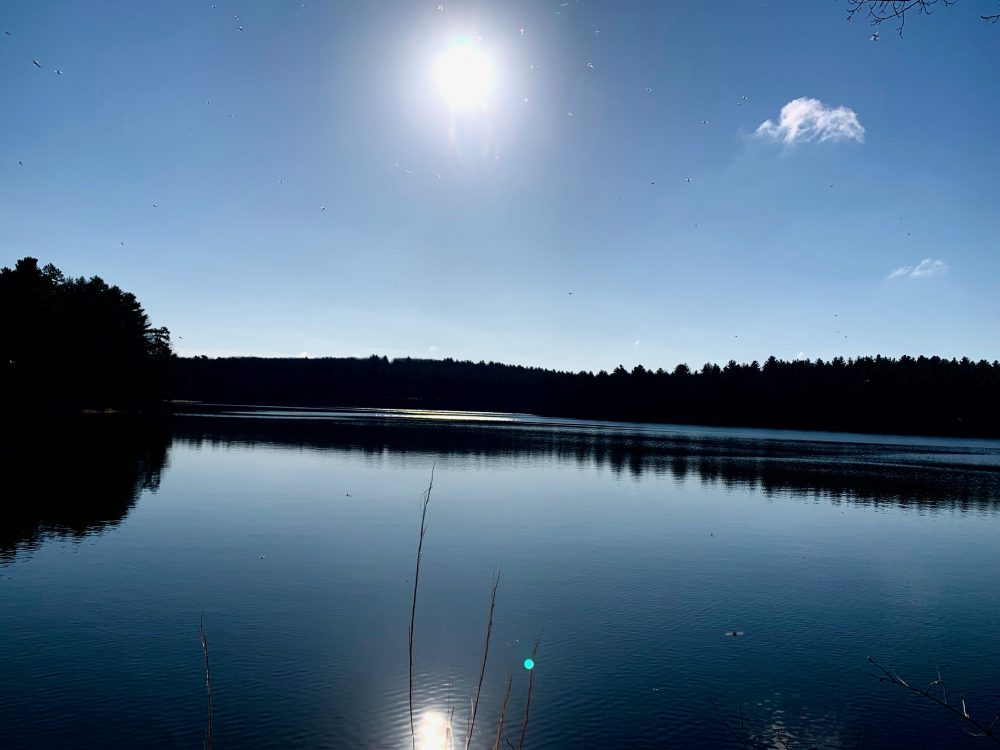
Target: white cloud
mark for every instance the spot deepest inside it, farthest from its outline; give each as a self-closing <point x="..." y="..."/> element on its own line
<point x="304" y="355"/>
<point x="432" y="348"/>
<point x="635" y="343"/>
<point x="800" y="355"/>
<point x="926" y="268"/>
<point x="806" y="119"/>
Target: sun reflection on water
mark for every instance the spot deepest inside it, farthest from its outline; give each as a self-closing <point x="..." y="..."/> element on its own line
<point x="434" y="732"/>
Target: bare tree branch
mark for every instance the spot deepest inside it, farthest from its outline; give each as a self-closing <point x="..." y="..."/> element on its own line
<point x="961" y="711"/>
<point x="879" y="11"/>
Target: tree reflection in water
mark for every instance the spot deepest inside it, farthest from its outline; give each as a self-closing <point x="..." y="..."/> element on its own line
<point x="73" y="477"/>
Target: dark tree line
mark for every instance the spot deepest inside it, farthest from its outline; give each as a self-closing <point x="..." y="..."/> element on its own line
<point x="72" y="343"/>
<point x="923" y="395"/>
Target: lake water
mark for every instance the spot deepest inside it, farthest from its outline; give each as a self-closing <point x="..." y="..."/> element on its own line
<point x="628" y="552"/>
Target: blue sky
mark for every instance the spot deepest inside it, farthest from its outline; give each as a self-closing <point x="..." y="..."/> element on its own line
<point x="315" y="193"/>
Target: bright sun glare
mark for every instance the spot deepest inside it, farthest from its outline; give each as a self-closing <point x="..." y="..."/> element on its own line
<point x="434" y="732"/>
<point x="464" y="74"/>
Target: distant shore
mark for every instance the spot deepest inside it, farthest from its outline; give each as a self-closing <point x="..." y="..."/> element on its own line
<point x="906" y="396"/>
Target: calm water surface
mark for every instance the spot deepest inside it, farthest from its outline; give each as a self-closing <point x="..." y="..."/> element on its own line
<point x="627" y="551"/>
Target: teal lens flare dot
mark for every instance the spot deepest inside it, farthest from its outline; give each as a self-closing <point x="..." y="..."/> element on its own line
<point x="529" y="663"/>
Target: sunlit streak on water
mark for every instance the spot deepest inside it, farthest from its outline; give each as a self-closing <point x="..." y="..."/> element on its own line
<point x="434" y="732"/>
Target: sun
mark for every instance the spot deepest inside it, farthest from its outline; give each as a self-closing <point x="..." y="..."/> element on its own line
<point x="464" y="74"/>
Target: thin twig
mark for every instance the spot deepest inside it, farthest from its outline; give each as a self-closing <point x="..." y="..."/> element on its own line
<point x="413" y="609"/>
<point x="962" y="713"/>
<point x="879" y="11"/>
<point x="527" y="704"/>
<point x="208" y="684"/>
<point x="736" y="736"/>
<point x="503" y="711"/>
<point x="482" y="666"/>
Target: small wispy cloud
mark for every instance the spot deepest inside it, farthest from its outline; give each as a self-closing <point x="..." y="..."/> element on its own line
<point x="432" y="348"/>
<point x="806" y="119"/>
<point x="635" y="343"/>
<point x="304" y="355"/>
<point x="926" y="268"/>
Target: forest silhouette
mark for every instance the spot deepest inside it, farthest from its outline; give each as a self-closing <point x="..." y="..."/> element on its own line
<point x="71" y="343"/>
<point x="77" y="343"/>
<point x="913" y="395"/>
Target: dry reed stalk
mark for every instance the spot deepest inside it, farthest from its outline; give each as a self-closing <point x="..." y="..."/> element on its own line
<point x="208" y="684"/>
<point x="413" y="609"/>
<point x="503" y="711"/>
<point x="527" y="704"/>
<point x="739" y="736"/>
<point x="482" y="666"/>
